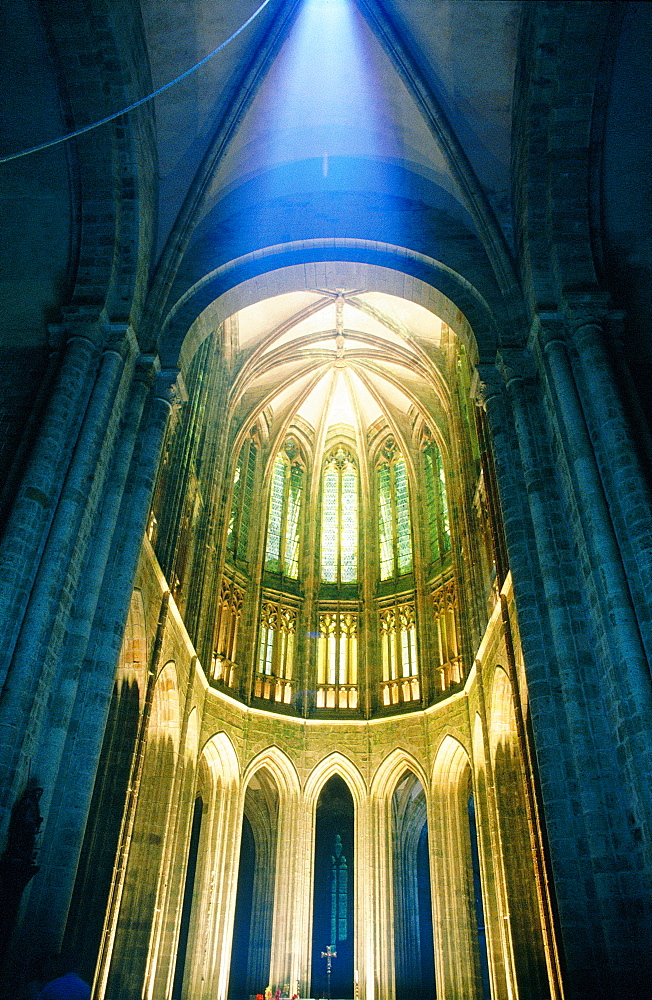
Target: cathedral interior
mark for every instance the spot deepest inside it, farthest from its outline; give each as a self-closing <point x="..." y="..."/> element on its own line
<point x="325" y="499"/>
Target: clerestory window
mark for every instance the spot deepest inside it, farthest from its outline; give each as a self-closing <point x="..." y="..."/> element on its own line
<point x="394" y="529"/>
<point x="437" y="503"/>
<point x="243" y="487"/>
<point x="283" y="522"/>
<point x="339" y="518"/>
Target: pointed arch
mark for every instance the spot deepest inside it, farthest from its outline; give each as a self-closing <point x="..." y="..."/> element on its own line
<point x="392" y="768"/>
<point x="335" y="763"/>
<point x="457" y="955"/>
<point x="132" y="665"/>
<point x="191" y="745"/>
<point x="525" y="925"/>
<point x="280" y="767"/>
<point x="220" y="760"/>
<point x="383" y="267"/>
<point x="502" y="721"/>
<point x="165" y="720"/>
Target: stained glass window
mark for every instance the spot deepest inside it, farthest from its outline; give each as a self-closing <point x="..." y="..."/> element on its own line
<point x="282" y="550"/>
<point x="394" y="531"/>
<point x="241" y="496"/>
<point x="437" y="502"/>
<point x="339" y="520"/>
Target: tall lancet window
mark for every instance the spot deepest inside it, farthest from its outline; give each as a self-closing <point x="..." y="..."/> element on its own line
<point x="339" y="518"/>
<point x="394" y="531"/>
<point x="241" y="496"/>
<point x="437" y="502"/>
<point x="282" y="550"/>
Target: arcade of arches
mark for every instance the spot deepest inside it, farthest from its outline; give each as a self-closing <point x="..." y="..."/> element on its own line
<point x="326" y="530"/>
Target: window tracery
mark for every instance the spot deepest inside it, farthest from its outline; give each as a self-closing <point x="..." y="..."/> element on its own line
<point x="445" y="606"/>
<point x="394" y="525"/>
<point x="242" y="492"/>
<point x="283" y="522"/>
<point x="398" y="636"/>
<point x="437" y="503"/>
<point x="276" y="646"/>
<point x="337" y="658"/>
<point x="339" y="518"/>
<point x="229" y="612"/>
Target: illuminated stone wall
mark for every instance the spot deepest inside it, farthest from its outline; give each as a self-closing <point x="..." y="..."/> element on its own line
<point x="195" y="740"/>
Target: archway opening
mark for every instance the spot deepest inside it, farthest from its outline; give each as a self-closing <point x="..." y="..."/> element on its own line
<point x="254" y="909"/>
<point x="333" y="897"/>
<point x="188" y="893"/>
<point x="477" y="895"/>
<point x="414" y="967"/>
<point x="96" y="865"/>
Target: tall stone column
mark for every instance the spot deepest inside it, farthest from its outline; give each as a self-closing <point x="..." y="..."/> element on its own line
<point x="363" y="955"/>
<point x="164" y="938"/>
<point x="91" y="690"/>
<point x="626" y="674"/>
<point x="589" y="323"/>
<point x="529" y="515"/>
<point x="283" y="965"/>
<point x="593" y="856"/>
<point x="33" y="510"/>
<point x="32" y="672"/>
<point x="304" y="874"/>
<point x="48" y="758"/>
<point x="211" y="970"/>
<point x="381" y="972"/>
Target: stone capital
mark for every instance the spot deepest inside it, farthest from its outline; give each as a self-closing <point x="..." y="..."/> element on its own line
<point x="148" y="367"/>
<point x="120" y="337"/>
<point x="548" y="327"/>
<point x="585" y="308"/>
<point x="487" y="383"/>
<point x="170" y="387"/>
<point x="515" y="363"/>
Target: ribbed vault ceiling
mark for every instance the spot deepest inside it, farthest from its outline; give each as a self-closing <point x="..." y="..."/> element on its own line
<point x="351" y="361"/>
